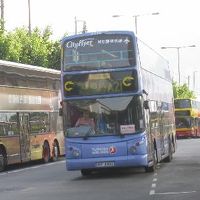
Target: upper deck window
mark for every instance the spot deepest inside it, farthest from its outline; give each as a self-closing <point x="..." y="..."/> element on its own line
<point x="99" y="51"/>
<point x="182" y="103"/>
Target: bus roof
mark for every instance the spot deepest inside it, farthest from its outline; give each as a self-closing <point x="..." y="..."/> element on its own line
<point x="8" y="67"/>
<point x="185" y="99"/>
<point x="13" y="65"/>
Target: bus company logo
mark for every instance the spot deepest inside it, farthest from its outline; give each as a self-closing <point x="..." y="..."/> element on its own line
<point x="103" y="150"/>
<point x="99" y="150"/>
<point x="81" y="43"/>
<point x="112" y="150"/>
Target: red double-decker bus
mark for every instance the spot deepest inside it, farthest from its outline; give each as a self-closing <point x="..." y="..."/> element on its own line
<point x="187" y="114"/>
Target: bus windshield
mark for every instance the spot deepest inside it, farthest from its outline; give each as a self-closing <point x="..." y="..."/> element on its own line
<point x="182" y="103"/>
<point x="98" y="51"/>
<point x="184" y="122"/>
<point x="109" y="116"/>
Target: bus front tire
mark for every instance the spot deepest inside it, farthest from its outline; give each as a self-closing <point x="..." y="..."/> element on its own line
<point x="170" y="156"/>
<point x="86" y="172"/>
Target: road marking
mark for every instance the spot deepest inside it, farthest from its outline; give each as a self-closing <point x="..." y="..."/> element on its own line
<point x="28" y="168"/>
<point x="152" y="192"/>
<point x="174" y="193"/>
<point x="153" y="185"/>
<point x="158" y="166"/>
<point x="27" y="189"/>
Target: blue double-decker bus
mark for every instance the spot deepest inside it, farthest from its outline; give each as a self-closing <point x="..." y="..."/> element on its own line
<point x="117" y="103"/>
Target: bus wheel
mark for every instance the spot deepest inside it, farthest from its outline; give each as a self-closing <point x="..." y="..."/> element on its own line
<point x="86" y="172"/>
<point x="55" y="152"/>
<point x="2" y="160"/>
<point x="152" y="168"/>
<point x="46" y="152"/>
<point x="170" y="154"/>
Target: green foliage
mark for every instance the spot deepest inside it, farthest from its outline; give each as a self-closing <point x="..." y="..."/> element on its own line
<point x="3" y="45"/>
<point x="182" y="91"/>
<point x="35" y="49"/>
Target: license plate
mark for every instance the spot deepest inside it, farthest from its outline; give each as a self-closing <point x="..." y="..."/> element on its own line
<point x="105" y="164"/>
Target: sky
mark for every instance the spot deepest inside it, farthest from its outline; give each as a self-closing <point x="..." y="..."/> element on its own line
<point x="176" y="25"/>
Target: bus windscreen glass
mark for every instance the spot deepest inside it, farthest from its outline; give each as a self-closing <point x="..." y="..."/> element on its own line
<point x="182" y="103"/>
<point x="184" y="122"/>
<point x="98" y="51"/>
<point x="108" y="116"/>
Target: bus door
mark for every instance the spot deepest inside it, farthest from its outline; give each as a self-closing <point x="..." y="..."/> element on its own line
<point x="24" y="136"/>
<point x="149" y="131"/>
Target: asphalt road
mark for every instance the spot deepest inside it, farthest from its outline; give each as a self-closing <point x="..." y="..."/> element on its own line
<point x="179" y="179"/>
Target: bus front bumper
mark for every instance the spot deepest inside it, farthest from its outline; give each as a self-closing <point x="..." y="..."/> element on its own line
<point x="107" y="162"/>
<point x="185" y="134"/>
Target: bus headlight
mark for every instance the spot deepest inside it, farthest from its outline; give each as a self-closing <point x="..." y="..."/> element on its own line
<point x="76" y="153"/>
<point x="137" y="146"/>
<point x="132" y="149"/>
<point x="73" y="152"/>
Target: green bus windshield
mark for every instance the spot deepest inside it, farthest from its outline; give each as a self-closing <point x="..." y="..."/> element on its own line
<point x="182" y="103"/>
<point x="98" y="51"/>
<point x="184" y="122"/>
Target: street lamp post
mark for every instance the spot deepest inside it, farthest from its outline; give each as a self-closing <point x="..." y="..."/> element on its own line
<point x="2" y="15"/>
<point x="136" y="18"/>
<point x="188" y="81"/>
<point x="178" y="58"/>
<point x="76" y="23"/>
<point x="29" y="17"/>
<point x="194" y="80"/>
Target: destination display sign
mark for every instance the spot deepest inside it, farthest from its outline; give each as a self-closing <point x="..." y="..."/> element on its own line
<point x="100" y="83"/>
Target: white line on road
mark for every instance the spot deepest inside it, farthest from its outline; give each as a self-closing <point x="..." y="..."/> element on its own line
<point x="152" y="192"/>
<point x="173" y="193"/>
<point x="28" y="168"/>
<point x="153" y="185"/>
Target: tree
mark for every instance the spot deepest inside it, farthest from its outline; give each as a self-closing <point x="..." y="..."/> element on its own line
<point x="3" y="45"/>
<point x="182" y="91"/>
<point x="35" y="49"/>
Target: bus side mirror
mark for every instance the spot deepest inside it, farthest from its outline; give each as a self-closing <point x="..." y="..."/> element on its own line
<point x="145" y="92"/>
<point x="60" y="112"/>
<point x="146" y="104"/>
